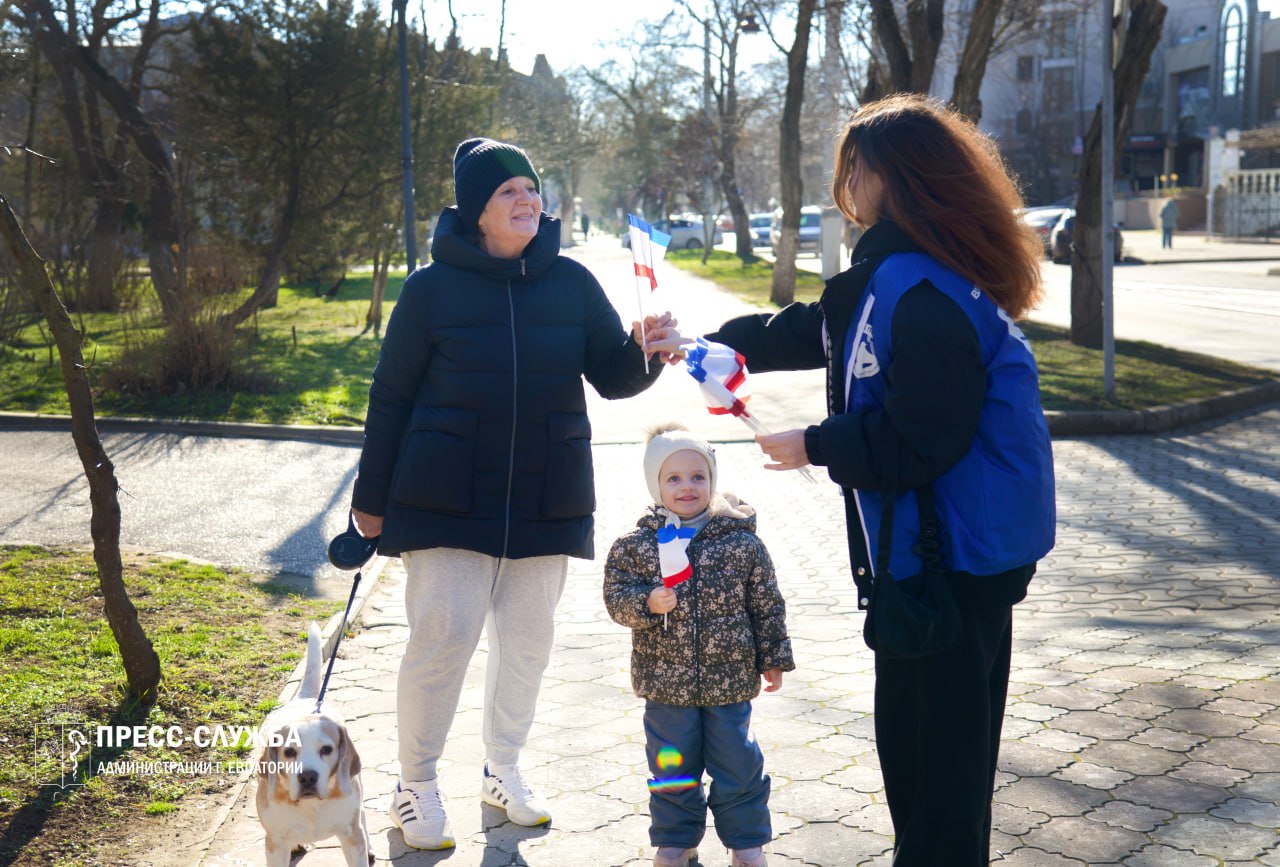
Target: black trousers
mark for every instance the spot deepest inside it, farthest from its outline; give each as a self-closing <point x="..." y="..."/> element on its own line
<point x="938" y="723"/>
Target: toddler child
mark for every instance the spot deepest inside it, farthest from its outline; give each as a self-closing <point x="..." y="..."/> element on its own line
<point x="697" y="588"/>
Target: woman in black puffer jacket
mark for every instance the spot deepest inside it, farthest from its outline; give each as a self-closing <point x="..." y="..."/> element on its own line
<point x="476" y="467"/>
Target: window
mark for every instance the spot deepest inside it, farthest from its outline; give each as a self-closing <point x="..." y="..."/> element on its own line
<point x="1026" y="68"/>
<point x="1059" y="88"/>
<point x="1232" y="50"/>
<point x="1022" y="125"/>
<point x="1060" y="36"/>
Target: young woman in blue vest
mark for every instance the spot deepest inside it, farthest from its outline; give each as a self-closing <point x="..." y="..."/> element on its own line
<point x="930" y="385"/>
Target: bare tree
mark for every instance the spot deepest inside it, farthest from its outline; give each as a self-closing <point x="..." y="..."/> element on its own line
<point x="141" y="664"/>
<point x="724" y="24"/>
<point x="791" y="181"/>
<point x="972" y="67"/>
<point x="68" y="51"/>
<point x="908" y="63"/>
<point x="1142" y="30"/>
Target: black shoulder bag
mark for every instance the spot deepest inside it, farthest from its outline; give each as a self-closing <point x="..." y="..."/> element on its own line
<point x="917" y="616"/>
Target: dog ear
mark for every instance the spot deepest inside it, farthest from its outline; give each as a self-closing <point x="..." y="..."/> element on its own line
<point x="348" y="761"/>
<point x="268" y="766"/>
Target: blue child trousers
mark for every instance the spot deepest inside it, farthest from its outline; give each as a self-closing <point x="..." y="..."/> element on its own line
<point x="683" y="742"/>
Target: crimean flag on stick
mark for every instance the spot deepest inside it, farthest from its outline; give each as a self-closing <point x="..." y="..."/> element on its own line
<point x="673" y="554"/>
<point x="722" y="375"/>
<point x="648" y="246"/>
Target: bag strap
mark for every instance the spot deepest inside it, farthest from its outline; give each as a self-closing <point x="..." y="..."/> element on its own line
<point x="929" y="547"/>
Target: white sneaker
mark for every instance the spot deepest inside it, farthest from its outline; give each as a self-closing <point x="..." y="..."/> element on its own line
<point x="510" y="792"/>
<point x="417" y="809"/>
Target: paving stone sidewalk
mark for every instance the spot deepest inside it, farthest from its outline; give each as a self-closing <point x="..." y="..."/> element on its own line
<point x="1143" y="726"/>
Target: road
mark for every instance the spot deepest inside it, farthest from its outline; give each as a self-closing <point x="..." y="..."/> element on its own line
<point x="1227" y="309"/>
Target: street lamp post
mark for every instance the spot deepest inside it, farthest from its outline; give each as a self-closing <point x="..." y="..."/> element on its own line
<point x="708" y="181"/>
<point x="406" y="142"/>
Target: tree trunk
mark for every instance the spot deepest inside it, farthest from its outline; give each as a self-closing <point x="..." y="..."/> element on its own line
<point x="381" y="266"/>
<point x="1146" y="22"/>
<point x="909" y="67"/>
<point x="783" y="291"/>
<point x="106" y="257"/>
<point x="267" y="292"/>
<point x="972" y="67"/>
<point x="141" y="664"/>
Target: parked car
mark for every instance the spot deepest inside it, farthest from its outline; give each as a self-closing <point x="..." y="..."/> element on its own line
<point x="760" y="225"/>
<point x="686" y="234"/>
<point x="1043" y="220"/>
<point x="1062" y="239"/>
<point x="810" y="229"/>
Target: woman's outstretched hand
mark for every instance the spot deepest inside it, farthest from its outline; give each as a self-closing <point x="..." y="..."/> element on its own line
<point x="659" y="337"/>
<point x="786" y="450"/>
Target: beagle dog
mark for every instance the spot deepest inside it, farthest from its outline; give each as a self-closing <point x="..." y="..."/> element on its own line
<point x="309" y="775"/>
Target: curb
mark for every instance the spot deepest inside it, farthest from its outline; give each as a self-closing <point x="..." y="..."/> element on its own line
<point x="332" y="434"/>
<point x="1062" y="423"/>
<point x="199" y="849"/>
<point x="1159" y="419"/>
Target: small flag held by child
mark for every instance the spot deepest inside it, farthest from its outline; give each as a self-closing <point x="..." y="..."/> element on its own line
<point x="673" y="556"/>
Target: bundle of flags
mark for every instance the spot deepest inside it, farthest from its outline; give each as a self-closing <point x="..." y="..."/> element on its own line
<point x="648" y="246"/>
<point x="722" y="374"/>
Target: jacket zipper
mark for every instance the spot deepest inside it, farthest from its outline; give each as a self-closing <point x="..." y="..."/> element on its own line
<point x="515" y="384"/>
<point x="697" y="631"/>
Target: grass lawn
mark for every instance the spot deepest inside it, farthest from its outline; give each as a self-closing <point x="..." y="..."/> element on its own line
<point x="314" y="362"/>
<point x="310" y="354"/>
<point x="227" y="642"/>
<point x="1146" y="374"/>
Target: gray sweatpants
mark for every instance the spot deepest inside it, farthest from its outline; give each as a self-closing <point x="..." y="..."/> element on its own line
<point x="450" y="594"/>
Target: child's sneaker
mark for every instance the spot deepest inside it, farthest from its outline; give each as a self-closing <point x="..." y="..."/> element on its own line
<point x="672" y="856"/>
<point x="748" y="858"/>
<point x="510" y="792"/>
<point x="417" y="809"/>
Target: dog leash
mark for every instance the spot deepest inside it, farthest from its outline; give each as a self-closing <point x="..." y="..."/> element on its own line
<point x="347" y="550"/>
<point x="324" y="684"/>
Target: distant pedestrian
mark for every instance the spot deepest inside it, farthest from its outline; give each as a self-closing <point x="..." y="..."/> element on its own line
<point x="1168" y="222"/>
<point x="932" y="398"/>
<point x="476" y="468"/>
<point x="699" y="650"/>
<point x="586" y="226"/>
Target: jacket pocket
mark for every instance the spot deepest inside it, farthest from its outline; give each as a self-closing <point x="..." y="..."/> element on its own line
<point x="568" y="488"/>
<point x="436" y="470"/>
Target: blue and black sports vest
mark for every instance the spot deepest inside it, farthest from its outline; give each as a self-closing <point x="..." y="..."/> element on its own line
<point x="996" y="504"/>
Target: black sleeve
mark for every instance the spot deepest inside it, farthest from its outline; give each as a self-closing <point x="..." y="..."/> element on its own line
<point x="402" y="362"/>
<point x="934" y="389"/>
<point x="790" y="339"/>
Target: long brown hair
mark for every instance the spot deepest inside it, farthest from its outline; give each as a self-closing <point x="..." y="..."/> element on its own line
<point x="946" y="186"/>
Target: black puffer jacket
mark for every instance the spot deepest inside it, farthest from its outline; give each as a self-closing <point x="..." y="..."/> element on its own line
<point x="729" y="624"/>
<point x="477" y="434"/>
